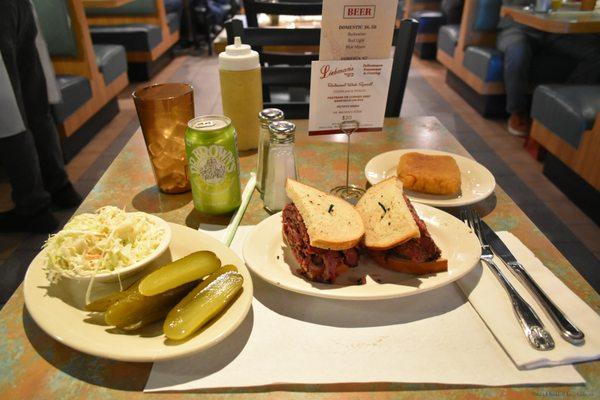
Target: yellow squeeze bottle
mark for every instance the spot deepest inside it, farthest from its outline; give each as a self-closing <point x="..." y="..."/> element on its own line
<point x="241" y="91"/>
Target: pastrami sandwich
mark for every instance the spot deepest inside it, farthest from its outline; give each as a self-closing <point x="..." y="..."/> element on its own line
<point x="322" y="232"/>
<point x="395" y="236"/>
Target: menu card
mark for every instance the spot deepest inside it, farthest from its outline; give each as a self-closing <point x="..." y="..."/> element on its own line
<point x="348" y="90"/>
<point x="357" y="29"/>
<point x="351" y="79"/>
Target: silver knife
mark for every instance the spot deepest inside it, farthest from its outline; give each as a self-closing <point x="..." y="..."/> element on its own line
<point x="567" y="329"/>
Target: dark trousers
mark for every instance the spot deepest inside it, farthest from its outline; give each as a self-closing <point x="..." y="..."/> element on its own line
<point x="32" y="159"/>
<point x="520" y="44"/>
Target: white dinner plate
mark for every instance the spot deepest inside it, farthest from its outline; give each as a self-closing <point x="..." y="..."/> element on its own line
<point x="57" y="309"/>
<point x="268" y="256"/>
<point x="477" y="182"/>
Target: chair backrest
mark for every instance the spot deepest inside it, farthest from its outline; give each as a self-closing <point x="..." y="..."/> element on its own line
<point x="299" y="75"/>
<point x="280" y="7"/>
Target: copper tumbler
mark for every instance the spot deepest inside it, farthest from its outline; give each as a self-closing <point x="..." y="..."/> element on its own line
<point x="164" y="111"/>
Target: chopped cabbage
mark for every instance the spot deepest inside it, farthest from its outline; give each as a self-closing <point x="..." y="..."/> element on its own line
<point x="105" y="241"/>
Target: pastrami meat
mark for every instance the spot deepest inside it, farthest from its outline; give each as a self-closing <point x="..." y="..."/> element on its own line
<point x="418" y="250"/>
<point x="319" y="265"/>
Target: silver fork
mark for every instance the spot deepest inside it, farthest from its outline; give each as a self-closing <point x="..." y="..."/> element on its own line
<point x="539" y="338"/>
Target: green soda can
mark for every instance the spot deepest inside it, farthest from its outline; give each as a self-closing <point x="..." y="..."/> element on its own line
<point x="211" y="150"/>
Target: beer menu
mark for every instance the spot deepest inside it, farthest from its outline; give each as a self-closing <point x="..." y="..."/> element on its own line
<point x="357" y="29"/>
<point x="351" y="79"/>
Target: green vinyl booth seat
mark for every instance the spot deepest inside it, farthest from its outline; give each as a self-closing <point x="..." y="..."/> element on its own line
<point x="448" y="38"/>
<point x="566" y="110"/>
<point x="75" y="91"/>
<point x="133" y="36"/>
<point x="57" y="29"/>
<point x="111" y="60"/>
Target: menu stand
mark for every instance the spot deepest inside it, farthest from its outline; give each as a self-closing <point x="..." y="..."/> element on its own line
<point x="348" y="192"/>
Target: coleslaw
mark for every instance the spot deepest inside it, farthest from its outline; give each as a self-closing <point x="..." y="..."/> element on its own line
<point x="102" y="242"/>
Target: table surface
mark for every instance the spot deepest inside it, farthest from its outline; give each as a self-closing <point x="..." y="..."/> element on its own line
<point x="565" y="20"/>
<point x="35" y="366"/>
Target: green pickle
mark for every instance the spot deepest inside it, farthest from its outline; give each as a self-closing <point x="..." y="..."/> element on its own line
<point x="203" y="303"/>
<point x="136" y="310"/>
<point x="187" y="269"/>
<point x="102" y="304"/>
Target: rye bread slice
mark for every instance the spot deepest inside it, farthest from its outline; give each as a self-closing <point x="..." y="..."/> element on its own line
<point x="332" y="223"/>
<point x="387" y="219"/>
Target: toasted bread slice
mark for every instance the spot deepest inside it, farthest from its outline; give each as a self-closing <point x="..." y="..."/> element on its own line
<point x="332" y="223"/>
<point x="427" y="173"/>
<point x="388" y="221"/>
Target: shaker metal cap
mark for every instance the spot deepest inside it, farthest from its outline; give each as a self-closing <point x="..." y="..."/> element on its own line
<point x="282" y="131"/>
<point x="270" y="114"/>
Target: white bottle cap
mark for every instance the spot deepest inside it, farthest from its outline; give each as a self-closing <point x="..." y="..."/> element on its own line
<point x="238" y="57"/>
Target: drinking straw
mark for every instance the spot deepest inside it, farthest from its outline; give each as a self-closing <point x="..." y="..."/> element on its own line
<point x="235" y="221"/>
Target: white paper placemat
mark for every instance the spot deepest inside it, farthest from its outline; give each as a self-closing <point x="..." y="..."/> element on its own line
<point x="436" y="337"/>
<point x="491" y="302"/>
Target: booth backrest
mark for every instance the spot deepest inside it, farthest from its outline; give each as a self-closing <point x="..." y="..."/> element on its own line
<point x="136" y="7"/>
<point x="56" y="26"/>
<point x="487" y="15"/>
<point x="478" y="25"/>
<point x="452" y="10"/>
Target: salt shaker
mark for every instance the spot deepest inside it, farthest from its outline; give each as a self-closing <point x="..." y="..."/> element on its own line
<point x="265" y="117"/>
<point x="281" y="164"/>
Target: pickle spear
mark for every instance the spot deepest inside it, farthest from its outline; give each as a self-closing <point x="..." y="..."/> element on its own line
<point x="136" y="310"/>
<point x="203" y="303"/>
<point x="102" y="304"/>
<point x="187" y="269"/>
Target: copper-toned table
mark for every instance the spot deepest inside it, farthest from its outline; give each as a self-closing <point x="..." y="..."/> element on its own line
<point x="565" y="20"/>
<point x="34" y="366"/>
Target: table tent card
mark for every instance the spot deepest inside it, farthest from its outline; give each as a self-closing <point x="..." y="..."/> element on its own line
<point x="348" y="90"/>
<point x="350" y="81"/>
<point x="357" y="29"/>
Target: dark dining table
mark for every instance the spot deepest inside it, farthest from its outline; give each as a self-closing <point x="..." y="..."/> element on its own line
<point x="35" y="366"/>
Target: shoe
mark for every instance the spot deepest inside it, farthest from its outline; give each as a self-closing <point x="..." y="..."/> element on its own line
<point x="67" y="197"/>
<point x="519" y="124"/>
<point x="41" y="222"/>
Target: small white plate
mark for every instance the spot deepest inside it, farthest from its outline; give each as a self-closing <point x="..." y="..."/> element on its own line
<point x="57" y="309"/>
<point x="477" y="182"/>
<point x="269" y="257"/>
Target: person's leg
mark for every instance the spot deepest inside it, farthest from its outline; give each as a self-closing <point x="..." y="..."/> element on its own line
<point x="18" y="153"/>
<point x="517" y="44"/>
<point x="585" y="49"/>
<point x="518" y="53"/>
<point x="37" y="109"/>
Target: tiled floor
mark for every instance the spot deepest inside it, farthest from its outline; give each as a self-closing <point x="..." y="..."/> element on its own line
<point x="487" y="140"/>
